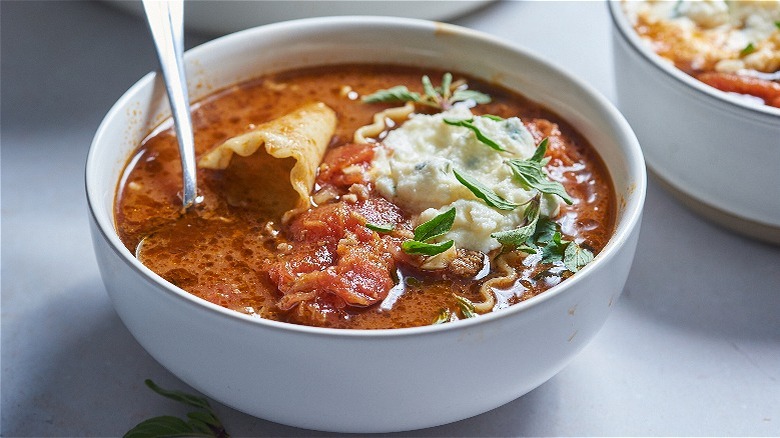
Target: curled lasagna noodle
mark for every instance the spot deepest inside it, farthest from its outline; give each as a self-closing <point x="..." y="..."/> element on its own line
<point x="507" y="277"/>
<point x="303" y="135"/>
<point x="380" y="122"/>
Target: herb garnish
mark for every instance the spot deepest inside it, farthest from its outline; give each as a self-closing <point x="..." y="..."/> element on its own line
<point x="539" y="234"/>
<point x="554" y="247"/>
<point x="380" y="228"/>
<point x="777" y="24"/>
<point x="443" y="316"/>
<point x="469" y="123"/>
<point x="576" y="257"/>
<point x="466" y="306"/>
<point x="423" y="248"/>
<point x="442" y="97"/>
<point x="517" y="237"/>
<point x="201" y="423"/>
<point x="750" y="48"/>
<point x="436" y="227"/>
<point x="546" y="239"/>
<point x="531" y="174"/>
<point x="399" y="93"/>
<point x="484" y="193"/>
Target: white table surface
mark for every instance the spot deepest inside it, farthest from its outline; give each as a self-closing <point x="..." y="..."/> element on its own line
<point x="692" y="348"/>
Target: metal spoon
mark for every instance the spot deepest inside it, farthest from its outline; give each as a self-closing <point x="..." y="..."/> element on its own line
<point x="166" y="22"/>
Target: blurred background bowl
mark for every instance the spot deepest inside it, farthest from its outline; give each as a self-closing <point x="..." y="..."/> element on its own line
<point x="717" y="153"/>
<point x="219" y="17"/>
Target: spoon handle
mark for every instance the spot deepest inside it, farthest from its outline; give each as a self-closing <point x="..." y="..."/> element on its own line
<point x="166" y="22"/>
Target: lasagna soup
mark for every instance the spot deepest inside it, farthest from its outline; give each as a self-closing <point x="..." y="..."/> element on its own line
<point x="368" y="196"/>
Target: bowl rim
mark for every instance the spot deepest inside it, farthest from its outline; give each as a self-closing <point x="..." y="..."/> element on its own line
<point x="626" y="30"/>
<point x="629" y="214"/>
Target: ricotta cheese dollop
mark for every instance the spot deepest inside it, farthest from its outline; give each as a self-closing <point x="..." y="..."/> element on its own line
<point x="414" y="169"/>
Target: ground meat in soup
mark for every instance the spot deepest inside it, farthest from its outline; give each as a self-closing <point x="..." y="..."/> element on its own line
<point x="325" y="266"/>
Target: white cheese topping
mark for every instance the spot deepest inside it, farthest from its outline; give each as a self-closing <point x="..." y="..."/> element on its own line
<point x="414" y="169"/>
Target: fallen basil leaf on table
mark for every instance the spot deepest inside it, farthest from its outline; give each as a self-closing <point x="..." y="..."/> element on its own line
<point x="202" y="423"/>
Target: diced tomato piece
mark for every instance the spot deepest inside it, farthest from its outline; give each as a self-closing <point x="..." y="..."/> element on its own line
<point x="344" y="165"/>
<point x="324" y="223"/>
<point x="335" y="260"/>
<point x="360" y="275"/>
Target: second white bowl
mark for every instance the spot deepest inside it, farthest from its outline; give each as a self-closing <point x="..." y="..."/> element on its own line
<point x="718" y="153"/>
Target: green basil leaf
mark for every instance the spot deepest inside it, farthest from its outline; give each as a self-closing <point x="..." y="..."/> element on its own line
<point x="422" y="248"/>
<point x="516" y="237"/>
<point x="429" y="90"/>
<point x="442" y="97"/>
<point x="554" y="250"/>
<point x="179" y="396"/>
<point x="435" y="227"/>
<point x="206" y="418"/>
<point x="466" y="306"/>
<point x="443" y="316"/>
<point x="546" y="229"/>
<point x="380" y="228"/>
<point x="519" y="236"/>
<point x="750" y="48"/>
<point x="540" y="151"/>
<point x="777" y="24"/>
<point x="530" y="173"/>
<point x="576" y="257"/>
<point x="199" y="426"/>
<point x="469" y="123"/>
<point x="482" y="192"/>
<point x="203" y="423"/>
<point x="164" y="426"/>
<point x="395" y="94"/>
<point x="528" y="249"/>
<point x="446" y="83"/>
<point x="476" y="96"/>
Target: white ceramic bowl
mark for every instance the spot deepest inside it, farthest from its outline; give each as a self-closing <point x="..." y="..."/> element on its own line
<point x="352" y="380"/>
<point x="717" y="153"/>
